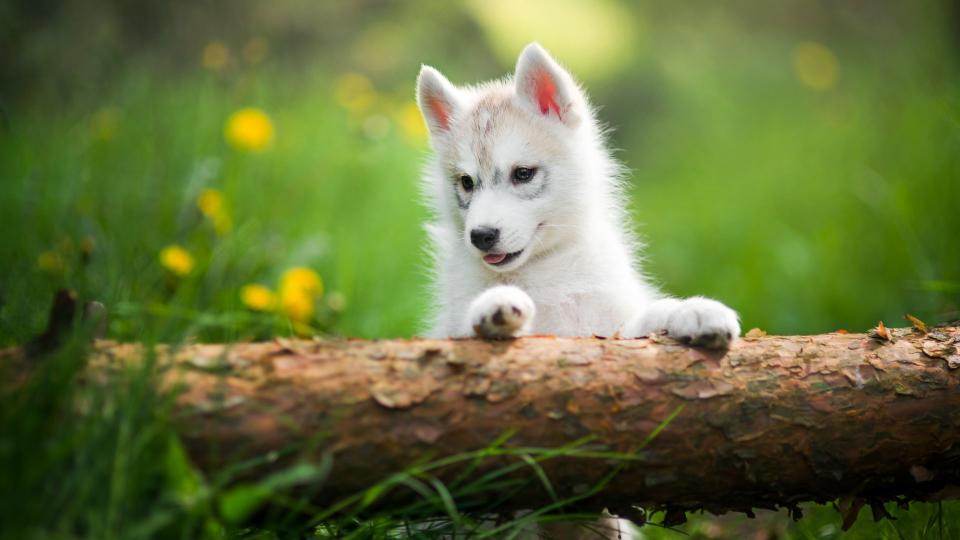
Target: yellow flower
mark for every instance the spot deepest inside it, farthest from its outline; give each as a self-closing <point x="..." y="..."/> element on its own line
<point x="354" y="92"/>
<point x="255" y="50"/>
<point x="177" y="260"/>
<point x="249" y="129"/>
<point x="257" y="297"/>
<point x="215" y="56"/>
<point x="411" y="123"/>
<point x="87" y="247"/>
<point x="303" y="279"/>
<point x="211" y="204"/>
<point x="50" y="261"/>
<point x="298" y="305"/>
<point x="299" y="289"/>
<point x="815" y="65"/>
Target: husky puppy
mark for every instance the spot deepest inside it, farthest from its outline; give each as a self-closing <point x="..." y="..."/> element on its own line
<point x="530" y="234"/>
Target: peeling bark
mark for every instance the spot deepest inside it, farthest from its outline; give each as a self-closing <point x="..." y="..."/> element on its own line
<point x="774" y="421"/>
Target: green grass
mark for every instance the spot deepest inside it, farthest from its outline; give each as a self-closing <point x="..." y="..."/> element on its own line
<point x="805" y="210"/>
<point x="778" y="208"/>
<point x="325" y="196"/>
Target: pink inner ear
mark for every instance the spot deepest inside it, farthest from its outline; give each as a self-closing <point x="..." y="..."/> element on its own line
<point x="546" y="92"/>
<point x="440" y="113"/>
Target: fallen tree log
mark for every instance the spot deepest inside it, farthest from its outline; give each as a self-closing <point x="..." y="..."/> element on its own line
<point x="774" y="421"/>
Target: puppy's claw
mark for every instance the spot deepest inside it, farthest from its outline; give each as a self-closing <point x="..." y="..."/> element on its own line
<point x="703" y="323"/>
<point x="710" y="340"/>
<point x="501" y="312"/>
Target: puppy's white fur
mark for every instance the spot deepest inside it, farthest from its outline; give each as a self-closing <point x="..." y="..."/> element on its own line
<point x="576" y="271"/>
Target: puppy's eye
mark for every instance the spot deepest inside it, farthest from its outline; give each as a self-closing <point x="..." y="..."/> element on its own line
<point x="466" y="182"/>
<point x="522" y="175"/>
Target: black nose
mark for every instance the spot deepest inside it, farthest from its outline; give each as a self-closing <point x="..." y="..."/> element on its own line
<point x="484" y="237"/>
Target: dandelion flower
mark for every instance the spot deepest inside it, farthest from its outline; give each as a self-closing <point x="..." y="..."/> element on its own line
<point x="177" y="260"/>
<point x="215" y="56"/>
<point x="303" y="279"/>
<point x="299" y="289"/>
<point x="255" y="50"/>
<point x="354" y="92"/>
<point x="50" y="261"/>
<point x="298" y="305"/>
<point x="249" y="129"/>
<point x="87" y="246"/>
<point x="815" y="65"/>
<point x="257" y="297"/>
<point x="411" y="123"/>
<point x="210" y="202"/>
<point x="212" y="205"/>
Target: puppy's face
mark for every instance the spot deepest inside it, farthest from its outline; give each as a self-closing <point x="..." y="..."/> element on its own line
<point x="507" y="155"/>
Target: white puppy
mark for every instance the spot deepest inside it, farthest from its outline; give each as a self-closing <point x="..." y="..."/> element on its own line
<point x="530" y="232"/>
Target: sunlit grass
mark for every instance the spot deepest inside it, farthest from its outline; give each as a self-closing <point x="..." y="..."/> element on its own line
<point x="180" y="217"/>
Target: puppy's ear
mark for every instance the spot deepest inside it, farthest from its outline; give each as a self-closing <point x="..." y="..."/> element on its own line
<point x="438" y="100"/>
<point x="547" y="87"/>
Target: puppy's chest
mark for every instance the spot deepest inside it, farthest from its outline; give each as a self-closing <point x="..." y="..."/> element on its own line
<point x="561" y="320"/>
<point x="576" y="317"/>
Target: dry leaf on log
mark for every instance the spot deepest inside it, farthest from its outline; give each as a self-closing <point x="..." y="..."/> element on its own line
<point x="918" y="325"/>
<point x="881" y="333"/>
<point x="755" y="333"/>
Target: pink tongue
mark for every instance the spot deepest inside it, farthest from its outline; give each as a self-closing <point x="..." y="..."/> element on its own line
<point x="494" y="259"/>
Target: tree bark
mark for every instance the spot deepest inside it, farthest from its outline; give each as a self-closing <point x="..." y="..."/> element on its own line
<point x="774" y="421"/>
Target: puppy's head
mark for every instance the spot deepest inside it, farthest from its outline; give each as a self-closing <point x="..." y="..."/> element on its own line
<point x="508" y="155"/>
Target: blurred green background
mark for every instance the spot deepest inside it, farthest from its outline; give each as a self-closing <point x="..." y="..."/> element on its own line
<point x="798" y="160"/>
<point x="231" y="170"/>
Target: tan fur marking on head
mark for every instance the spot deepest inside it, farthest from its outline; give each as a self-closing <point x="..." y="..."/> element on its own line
<point x="486" y="116"/>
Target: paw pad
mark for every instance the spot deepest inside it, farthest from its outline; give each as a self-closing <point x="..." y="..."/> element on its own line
<point x="501" y="312"/>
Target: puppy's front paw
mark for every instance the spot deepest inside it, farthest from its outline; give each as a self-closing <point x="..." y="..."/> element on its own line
<point x="703" y="322"/>
<point x="501" y="312"/>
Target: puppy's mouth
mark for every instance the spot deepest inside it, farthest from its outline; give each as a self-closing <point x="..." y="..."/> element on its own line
<point x="500" y="259"/>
